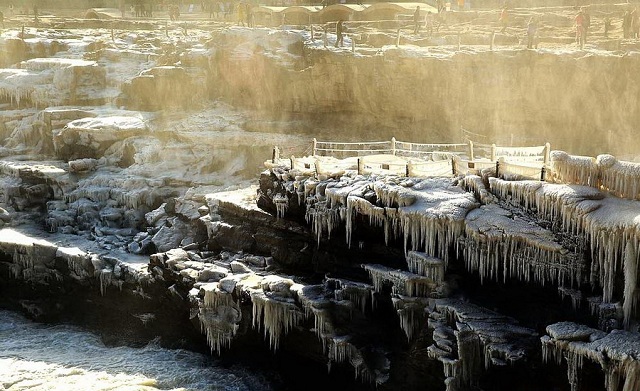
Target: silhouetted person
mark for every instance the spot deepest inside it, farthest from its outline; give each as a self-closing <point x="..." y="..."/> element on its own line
<point x="416" y="20"/>
<point x="626" y="24"/>
<point x="504" y="19"/>
<point x="339" y="30"/>
<point x="635" y="23"/>
<point x="580" y="30"/>
<point x="532" y="29"/>
<point x="428" y="23"/>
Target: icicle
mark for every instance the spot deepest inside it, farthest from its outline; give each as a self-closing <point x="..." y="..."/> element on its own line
<point x="104" y="276"/>
<point x="282" y="204"/>
<point x="630" y="262"/>
<point x="430" y="267"/>
<point x="277" y="316"/>
<point x="574" y="294"/>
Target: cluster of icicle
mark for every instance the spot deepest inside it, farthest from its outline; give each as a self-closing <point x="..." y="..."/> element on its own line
<point x="607" y="224"/>
<point x="278" y="304"/>
<point x="617" y="354"/>
<point x="282" y="204"/>
<point x="219" y="316"/>
<point x="469" y="339"/>
<point x="428" y="220"/>
<point x="403" y="282"/>
<point x="475" y="184"/>
<point x="35" y="261"/>
<point x="500" y="246"/>
<point x="604" y="172"/>
<point x="131" y="192"/>
<point x="410" y="289"/>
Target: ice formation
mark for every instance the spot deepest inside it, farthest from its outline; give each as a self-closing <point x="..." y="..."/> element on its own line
<point x="219" y="316"/>
<point x="427" y="213"/>
<point x="403" y="282"/>
<point x="424" y="265"/>
<point x="276" y="315"/>
<point x="500" y="245"/>
<point x="278" y="305"/>
<point x="610" y="225"/>
<point x="617" y="353"/>
<point x="411" y="311"/>
<point x="52" y="81"/>
<point x="604" y="172"/>
<point x="468" y="339"/>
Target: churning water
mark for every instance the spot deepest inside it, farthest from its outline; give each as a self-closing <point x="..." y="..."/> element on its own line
<point x="43" y="357"/>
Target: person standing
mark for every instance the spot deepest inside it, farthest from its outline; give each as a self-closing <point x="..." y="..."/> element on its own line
<point x="580" y="31"/>
<point x="428" y="23"/>
<point x="504" y="19"/>
<point x="339" y="36"/>
<point x="532" y="30"/>
<point x="626" y="24"/>
<point x="635" y="23"/>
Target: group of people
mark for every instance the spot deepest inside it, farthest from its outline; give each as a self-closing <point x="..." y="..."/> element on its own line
<point x="429" y="20"/>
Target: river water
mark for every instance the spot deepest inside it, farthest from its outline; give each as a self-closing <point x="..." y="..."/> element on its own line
<point x="59" y="357"/>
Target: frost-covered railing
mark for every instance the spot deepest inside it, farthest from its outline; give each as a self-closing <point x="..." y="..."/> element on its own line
<point x="605" y="172"/>
<point x="527" y="155"/>
<point x="340" y="149"/>
<point x="433" y="152"/>
<point x="512" y="172"/>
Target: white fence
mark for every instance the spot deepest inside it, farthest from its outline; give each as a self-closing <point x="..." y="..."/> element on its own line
<point x="395" y="157"/>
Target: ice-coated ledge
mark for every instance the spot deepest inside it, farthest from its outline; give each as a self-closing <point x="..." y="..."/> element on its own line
<point x="617" y="353"/>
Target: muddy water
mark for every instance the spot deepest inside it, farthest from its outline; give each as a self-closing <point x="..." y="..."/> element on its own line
<point x="43" y="357"/>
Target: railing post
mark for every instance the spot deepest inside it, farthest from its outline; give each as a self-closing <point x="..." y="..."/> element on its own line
<point x="407" y="169"/>
<point x="315" y="146"/>
<point x="312" y="38"/>
<point x="360" y="163"/>
<point x="493" y="152"/>
<point x="453" y="166"/>
<point x="398" y="38"/>
<point x="293" y="158"/>
<point x="497" y="169"/>
<point x="324" y="38"/>
<point x="543" y="174"/>
<point x="471" y="157"/>
<point x="547" y="153"/>
<point x="276" y="154"/>
<point x="393" y="146"/>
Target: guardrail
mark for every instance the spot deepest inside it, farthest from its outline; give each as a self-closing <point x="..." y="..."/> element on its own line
<point x="421" y="159"/>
